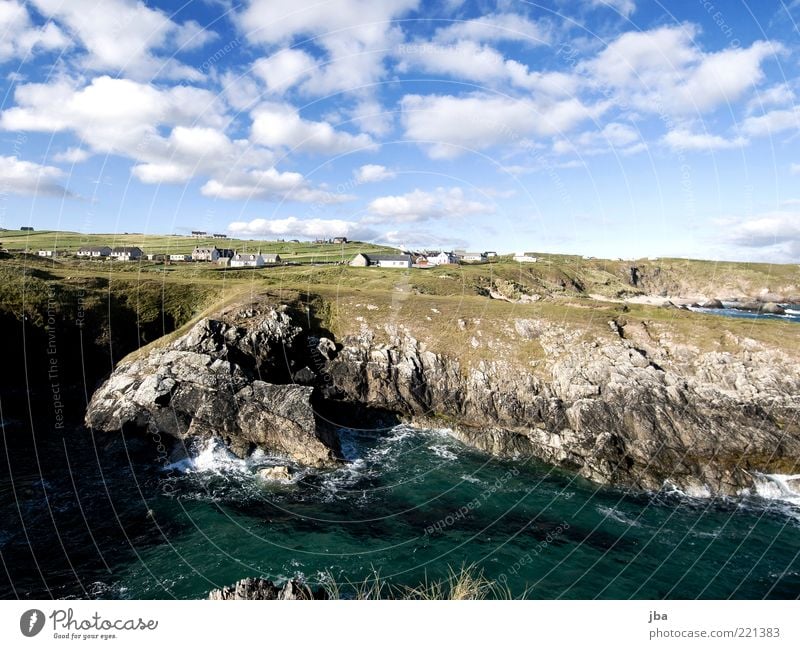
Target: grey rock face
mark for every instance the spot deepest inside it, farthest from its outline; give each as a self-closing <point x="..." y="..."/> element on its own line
<point x="628" y="411"/>
<point x="205" y="384"/>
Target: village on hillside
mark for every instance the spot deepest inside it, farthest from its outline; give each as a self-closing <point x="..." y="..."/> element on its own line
<point x="233" y="258"/>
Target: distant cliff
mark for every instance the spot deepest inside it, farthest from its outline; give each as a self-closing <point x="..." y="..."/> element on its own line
<point x="620" y="400"/>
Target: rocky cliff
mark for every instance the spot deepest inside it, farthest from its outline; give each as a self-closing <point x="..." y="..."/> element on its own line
<point x="623" y="403"/>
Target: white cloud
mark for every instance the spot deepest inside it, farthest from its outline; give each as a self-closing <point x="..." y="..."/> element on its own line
<point x="29" y="178"/>
<point x="72" y="155"/>
<point x="663" y="71"/>
<point x="124" y="117"/>
<point x="371" y="117"/>
<point x="356" y="36"/>
<point x="778" y="95"/>
<point x="306" y="228"/>
<point x="373" y="174"/>
<point x="776" y="234"/>
<point x="613" y="137"/>
<point x="625" y="7"/>
<point x="684" y="140"/>
<point x="270" y="184"/>
<point x="421" y="205"/>
<point x="794" y="168"/>
<point x="280" y="125"/>
<point x="773" y="122"/>
<point x="111" y="115"/>
<point x="122" y="35"/>
<point x="448" y="126"/>
<point x="284" y="69"/>
<point x="496" y="27"/>
<point x="20" y="37"/>
<point x="479" y="62"/>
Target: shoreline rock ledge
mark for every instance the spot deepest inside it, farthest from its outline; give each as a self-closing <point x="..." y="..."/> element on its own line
<point x="635" y="403"/>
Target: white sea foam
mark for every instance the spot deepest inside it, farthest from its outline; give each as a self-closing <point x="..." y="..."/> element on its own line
<point x="792" y="312"/>
<point x="778" y="486"/>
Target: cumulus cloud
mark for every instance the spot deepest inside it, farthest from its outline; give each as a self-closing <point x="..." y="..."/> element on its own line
<point x="123" y="36"/>
<point x="420" y="205"/>
<point x="624" y="7"/>
<point x="270" y="184"/>
<point x="29" y="178"/>
<point x="480" y="62"/>
<point x="448" y="126"/>
<point x="73" y="155"/>
<point x="772" y="122"/>
<point x="280" y="125"/>
<point x="663" y="71"/>
<point x="284" y="69"/>
<point x="684" y="140"/>
<point x="307" y="228"/>
<point x="613" y="137"/>
<point x="373" y="174"/>
<point x="356" y="36"/>
<point x="497" y="27"/>
<point x="21" y="37"/>
<point x="775" y="234"/>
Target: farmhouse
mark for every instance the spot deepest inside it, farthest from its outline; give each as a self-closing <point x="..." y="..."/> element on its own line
<point x="199" y="234"/>
<point x="241" y="261"/>
<point x="180" y="258"/>
<point x="220" y="236"/>
<point x="94" y="251"/>
<point x="272" y="259"/>
<point x="47" y="253"/>
<point x="205" y="254"/>
<point x="382" y="261"/>
<point x="26" y="228"/>
<point x="340" y="239"/>
<point x="126" y="253"/>
<point x="154" y="256"/>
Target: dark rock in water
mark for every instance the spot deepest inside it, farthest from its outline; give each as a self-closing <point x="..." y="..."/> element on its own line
<point x="257" y="588"/>
<point x="713" y="304"/>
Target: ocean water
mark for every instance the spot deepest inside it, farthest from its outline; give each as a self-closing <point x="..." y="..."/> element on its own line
<point x="792" y="313"/>
<point x="408" y="505"/>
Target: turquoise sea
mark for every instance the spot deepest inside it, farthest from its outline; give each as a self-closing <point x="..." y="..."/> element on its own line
<point x="408" y="505"/>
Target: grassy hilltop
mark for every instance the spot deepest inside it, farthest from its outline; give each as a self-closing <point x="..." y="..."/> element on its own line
<point x="449" y="306"/>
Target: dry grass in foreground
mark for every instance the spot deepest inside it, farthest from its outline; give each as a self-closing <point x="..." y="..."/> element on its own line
<point x="465" y="583"/>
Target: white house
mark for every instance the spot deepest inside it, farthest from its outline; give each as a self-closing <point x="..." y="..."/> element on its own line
<point x="382" y="261"/>
<point x="180" y="258"/>
<point x="205" y="254"/>
<point x="490" y="253"/>
<point x="442" y="258"/>
<point x="525" y="258"/>
<point x="47" y="253"/>
<point x="126" y="253"/>
<point x="272" y="259"/>
<point x="94" y="251"/>
<point x="240" y="260"/>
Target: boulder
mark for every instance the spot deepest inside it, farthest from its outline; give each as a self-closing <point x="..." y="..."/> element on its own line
<point x="713" y="303"/>
<point x="772" y="308"/>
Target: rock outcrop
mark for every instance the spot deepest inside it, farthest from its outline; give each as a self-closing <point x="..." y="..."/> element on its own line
<point x="256" y="588"/>
<point x="220" y="379"/>
<point x="623" y="404"/>
<point x="630" y="410"/>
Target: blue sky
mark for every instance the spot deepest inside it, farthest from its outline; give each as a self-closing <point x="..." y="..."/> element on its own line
<point x="609" y="128"/>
